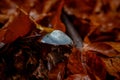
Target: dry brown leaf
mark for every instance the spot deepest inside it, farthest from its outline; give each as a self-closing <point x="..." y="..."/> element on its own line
<point x="102" y="49"/>
<point x="57" y="73"/>
<point x="74" y="63"/>
<point x="19" y="27"/>
<point x="78" y="77"/>
<point x="95" y="65"/>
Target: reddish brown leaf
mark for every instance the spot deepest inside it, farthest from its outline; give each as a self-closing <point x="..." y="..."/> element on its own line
<point x="55" y="21"/>
<point x="19" y="27"/>
<point x="106" y="27"/>
<point x="102" y="49"/>
<point x="57" y="73"/>
<point x="95" y="65"/>
<point x="78" y="77"/>
<point x="115" y="45"/>
<point x="102" y="57"/>
<point x="112" y="66"/>
<point x="74" y="63"/>
<point x="112" y="4"/>
<point x="80" y="8"/>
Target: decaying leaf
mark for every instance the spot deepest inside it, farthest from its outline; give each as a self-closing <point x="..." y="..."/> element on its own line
<point x="58" y="72"/>
<point x="102" y="48"/>
<point x="25" y="54"/>
<point x="74" y="63"/>
<point x="112" y="66"/>
<point x="78" y="77"/>
<point x="80" y="8"/>
<point x="95" y="65"/>
<point x="19" y="27"/>
<point x="105" y="54"/>
<point x="115" y="45"/>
